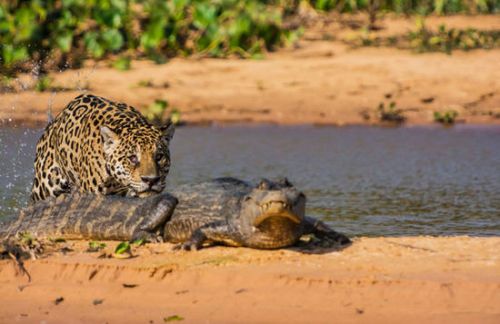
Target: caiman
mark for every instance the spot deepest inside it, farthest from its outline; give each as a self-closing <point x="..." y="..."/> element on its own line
<point x="226" y="211"/>
<point x="269" y="215"/>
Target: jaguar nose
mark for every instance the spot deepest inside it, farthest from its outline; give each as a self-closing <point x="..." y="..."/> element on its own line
<point x="150" y="180"/>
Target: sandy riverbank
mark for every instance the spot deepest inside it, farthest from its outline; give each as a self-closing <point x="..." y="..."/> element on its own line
<point x="321" y="81"/>
<point x="414" y="279"/>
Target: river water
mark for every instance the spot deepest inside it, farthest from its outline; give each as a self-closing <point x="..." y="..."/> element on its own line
<point x="361" y="180"/>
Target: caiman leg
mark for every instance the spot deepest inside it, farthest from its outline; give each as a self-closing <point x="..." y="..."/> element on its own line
<point x="322" y="231"/>
<point x="216" y="232"/>
<point x="160" y="215"/>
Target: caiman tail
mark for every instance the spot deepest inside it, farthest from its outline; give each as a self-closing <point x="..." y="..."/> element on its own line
<point x="90" y="216"/>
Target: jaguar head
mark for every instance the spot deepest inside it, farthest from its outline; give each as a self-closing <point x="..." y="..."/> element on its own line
<point x="138" y="159"/>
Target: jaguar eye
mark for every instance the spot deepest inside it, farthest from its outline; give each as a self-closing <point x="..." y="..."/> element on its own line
<point x="133" y="159"/>
<point x="158" y="157"/>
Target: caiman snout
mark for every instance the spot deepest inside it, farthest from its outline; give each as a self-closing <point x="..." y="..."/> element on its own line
<point x="277" y="206"/>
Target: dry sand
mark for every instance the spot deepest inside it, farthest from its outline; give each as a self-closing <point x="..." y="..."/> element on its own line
<point x="376" y="280"/>
<point x="319" y="82"/>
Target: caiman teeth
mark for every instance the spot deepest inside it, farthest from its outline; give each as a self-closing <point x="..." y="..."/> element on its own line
<point x="268" y="205"/>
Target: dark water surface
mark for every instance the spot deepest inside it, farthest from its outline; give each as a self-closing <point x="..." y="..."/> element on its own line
<point x="361" y="180"/>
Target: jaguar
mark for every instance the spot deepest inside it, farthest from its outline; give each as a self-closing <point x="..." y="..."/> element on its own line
<point x="101" y="146"/>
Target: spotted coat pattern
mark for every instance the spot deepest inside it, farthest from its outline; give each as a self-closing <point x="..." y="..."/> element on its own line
<point x="97" y="145"/>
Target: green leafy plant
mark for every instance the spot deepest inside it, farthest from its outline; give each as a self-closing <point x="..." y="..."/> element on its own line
<point x="123" y="63"/>
<point x="145" y="84"/>
<point x="446" y="40"/>
<point x="95" y="246"/>
<point x="446" y="118"/>
<point x="155" y="111"/>
<point x="173" y="318"/>
<point x="26" y="238"/>
<point x="122" y="248"/>
<point x="391" y="114"/>
<point x="175" y="117"/>
<point x="423" y="40"/>
<point x="43" y="83"/>
<point x="59" y="33"/>
<point x="139" y="242"/>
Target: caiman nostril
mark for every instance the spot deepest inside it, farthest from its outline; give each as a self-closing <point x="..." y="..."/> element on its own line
<point x="150" y="180"/>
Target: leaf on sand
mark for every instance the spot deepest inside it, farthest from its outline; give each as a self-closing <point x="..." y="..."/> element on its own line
<point x="139" y="242"/>
<point x="122" y="248"/>
<point x="95" y="246"/>
<point x="173" y="318"/>
<point x="122" y="251"/>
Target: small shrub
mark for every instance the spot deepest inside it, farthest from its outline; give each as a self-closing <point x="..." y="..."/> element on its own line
<point x="123" y="63"/>
<point x="423" y="40"/>
<point x="145" y="84"/>
<point x="43" y="83"/>
<point x="391" y="114"/>
<point x="155" y="111"/>
<point x="446" y="118"/>
<point x="175" y="117"/>
<point x="95" y="246"/>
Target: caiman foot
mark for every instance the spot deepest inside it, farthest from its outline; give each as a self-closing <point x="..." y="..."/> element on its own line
<point x="187" y="246"/>
<point x="338" y="238"/>
<point x="194" y="243"/>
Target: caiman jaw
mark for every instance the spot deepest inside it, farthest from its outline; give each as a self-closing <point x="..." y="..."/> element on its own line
<point x="276" y="209"/>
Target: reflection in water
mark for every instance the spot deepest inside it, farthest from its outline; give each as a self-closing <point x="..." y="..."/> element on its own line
<point x="363" y="181"/>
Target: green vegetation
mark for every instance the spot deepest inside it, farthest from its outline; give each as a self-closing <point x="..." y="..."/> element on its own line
<point x="446" y="40"/>
<point x="43" y="83"/>
<point x="57" y="34"/>
<point x="439" y="7"/>
<point x="424" y="40"/>
<point x="139" y="242"/>
<point x="391" y="114"/>
<point x="95" y="246"/>
<point x="123" y="63"/>
<point x="446" y="118"/>
<point x="145" y="84"/>
<point x="122" y="248"/>
<point x="71" y="30"/>
<point x="26" y="238"/>
<point x="175" y="117"/>
<point x="173" y="318"/>
<point x="155" y="111"/>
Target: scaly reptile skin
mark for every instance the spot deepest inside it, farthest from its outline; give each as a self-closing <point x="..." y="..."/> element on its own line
<point x="225" y="211"/>
<point x="269" y="215"/>
<point x="91" y="216"/>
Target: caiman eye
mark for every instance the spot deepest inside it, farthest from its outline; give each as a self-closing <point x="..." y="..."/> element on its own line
<point x="133" y="159"/>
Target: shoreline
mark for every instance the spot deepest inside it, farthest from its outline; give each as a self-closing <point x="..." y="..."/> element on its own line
<point x="411" y="279"/>
<point x="26" y="124"/>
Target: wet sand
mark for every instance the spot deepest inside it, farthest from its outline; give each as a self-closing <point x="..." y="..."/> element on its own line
<point x="375" y="280"/>
<point x="320" y="81"/>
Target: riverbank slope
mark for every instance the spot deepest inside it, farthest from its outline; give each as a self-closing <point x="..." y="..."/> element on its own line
<point x="320" y="81"/>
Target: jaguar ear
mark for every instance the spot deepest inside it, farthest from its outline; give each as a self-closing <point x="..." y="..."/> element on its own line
<point x="167" y="131"/>
<point x="109" y="139"/>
